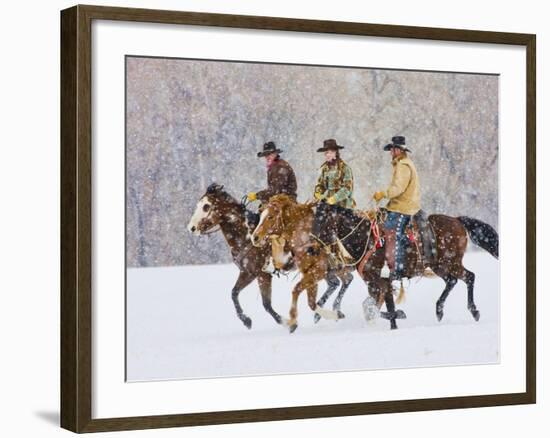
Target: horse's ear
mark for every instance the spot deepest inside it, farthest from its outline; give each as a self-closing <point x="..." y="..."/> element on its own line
<point x="213" y="188"/>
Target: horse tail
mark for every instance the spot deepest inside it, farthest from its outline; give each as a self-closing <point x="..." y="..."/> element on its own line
<point x="482" y="234"/>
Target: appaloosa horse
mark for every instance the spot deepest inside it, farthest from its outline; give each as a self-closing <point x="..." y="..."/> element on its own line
<point x="284" y="218"/>
<point x="451" y="238"/>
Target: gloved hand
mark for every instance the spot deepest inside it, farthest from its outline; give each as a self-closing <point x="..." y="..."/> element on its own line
<point x="251" y="196"/>
<point x="378" y="196"/>
<point x="318" y="196"/>
<point x="331" y="200"/>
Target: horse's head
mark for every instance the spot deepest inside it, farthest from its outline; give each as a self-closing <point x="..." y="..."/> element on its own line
<point x="209" y="211"/>
<point x="271" y="219"/>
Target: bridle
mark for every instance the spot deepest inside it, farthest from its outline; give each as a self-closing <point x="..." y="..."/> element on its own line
<point x="212" y="230"/>
<point x="216" y="227"/>
<point x="278" y="221"/>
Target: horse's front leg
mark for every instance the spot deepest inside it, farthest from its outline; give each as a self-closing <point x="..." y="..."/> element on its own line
<point x="311" y="278"/>
<point x="293" y="313"/>
<point x="391" y="314"/>
<point x="305" y="283"/>
<point x="347" y="278"/>
<point x="371" y="276"/>
<point x="333" y="283"/>
<point x="244" y="279"/>
<point x="264" y="281"/>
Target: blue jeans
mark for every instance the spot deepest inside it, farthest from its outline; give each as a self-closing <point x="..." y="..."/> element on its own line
<point x="398" y="222"/>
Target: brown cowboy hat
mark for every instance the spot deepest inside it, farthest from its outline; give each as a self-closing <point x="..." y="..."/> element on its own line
<point x="397" y="142"/>
<point x="269" y="148"/>
<point x="330" y="145"/>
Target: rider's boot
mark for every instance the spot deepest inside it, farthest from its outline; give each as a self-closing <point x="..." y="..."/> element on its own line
<point x="390" y="240"/>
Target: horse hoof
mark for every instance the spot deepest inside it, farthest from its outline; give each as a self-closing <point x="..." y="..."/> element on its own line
<point x="439" y="312"/>
<point x="316" y="318"/>
<point x="247" y="322"/>
<point x="475" y="314"/>
<point x="340" y="314"/>
<point x="390" y="316"/>
<point x="292" y="328"/>
<point x="393" y="325"/>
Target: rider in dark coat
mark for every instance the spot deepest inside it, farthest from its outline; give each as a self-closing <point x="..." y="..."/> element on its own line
<point x="280" y="180"/>
<point x="280" y="176"/>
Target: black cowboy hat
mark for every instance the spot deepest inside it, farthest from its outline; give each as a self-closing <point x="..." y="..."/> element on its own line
<point x="330" y="145"/>
<point x="397" y="142"/>
<point x="269" y="148"/>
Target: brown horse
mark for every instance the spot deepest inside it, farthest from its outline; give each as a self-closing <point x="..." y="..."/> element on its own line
<point x="451" y="238"/>
<point x="285" y="218"/>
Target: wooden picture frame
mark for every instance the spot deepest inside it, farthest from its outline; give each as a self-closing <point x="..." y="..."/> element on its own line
<point x="76" y="217"/>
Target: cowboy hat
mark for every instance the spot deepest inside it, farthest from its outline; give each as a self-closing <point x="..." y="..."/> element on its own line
<point x="397" y="142"/>
<point x="269" y="148"/>
<point x="330" y="145"/>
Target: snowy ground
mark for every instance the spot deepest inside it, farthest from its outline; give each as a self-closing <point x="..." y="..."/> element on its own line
<point x="181" y="324"/>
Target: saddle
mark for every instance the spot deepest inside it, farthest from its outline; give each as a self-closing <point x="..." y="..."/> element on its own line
<point x="421" y="238"/>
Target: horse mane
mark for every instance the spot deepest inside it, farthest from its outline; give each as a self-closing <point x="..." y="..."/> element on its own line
<point x="219" y="192"/>
<point x="229" y="199"/>
<point x="282" y="200"/>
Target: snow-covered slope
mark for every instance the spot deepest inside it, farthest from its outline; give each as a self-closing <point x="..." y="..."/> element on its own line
<point x="181" y="324"/>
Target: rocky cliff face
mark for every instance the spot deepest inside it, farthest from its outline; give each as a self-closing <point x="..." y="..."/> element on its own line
<point x="190" y="123"/>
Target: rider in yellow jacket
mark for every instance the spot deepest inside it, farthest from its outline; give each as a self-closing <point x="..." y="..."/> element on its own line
<point x="403" y="196"/>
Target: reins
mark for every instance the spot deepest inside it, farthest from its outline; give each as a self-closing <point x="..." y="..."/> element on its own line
<point x="365" y="250"/>
<point x="212" y="230"/>
<point x="353" y="230"/>
<point x="373" y="229"/>
<point x="245" y="202"/>
<point x="327" y="246"/>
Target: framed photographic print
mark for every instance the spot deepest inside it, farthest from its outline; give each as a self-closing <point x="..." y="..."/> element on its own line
<point x="271" y="218"/>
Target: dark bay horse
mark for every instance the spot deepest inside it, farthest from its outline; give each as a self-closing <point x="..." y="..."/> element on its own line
<point x="451" y="239"/>
<point x="285" y="218"/>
